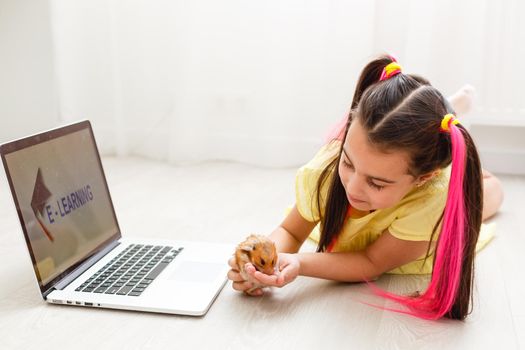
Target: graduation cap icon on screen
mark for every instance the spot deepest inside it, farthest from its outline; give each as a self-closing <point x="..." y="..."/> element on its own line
<point x="41" y="194"/>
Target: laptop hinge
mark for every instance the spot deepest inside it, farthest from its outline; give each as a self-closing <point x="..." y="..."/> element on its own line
<point x="83" y="267"/>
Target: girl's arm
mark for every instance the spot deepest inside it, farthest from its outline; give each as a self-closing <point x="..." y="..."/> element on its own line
<point x="292" y="232"/>
<point x="385" y="254"/>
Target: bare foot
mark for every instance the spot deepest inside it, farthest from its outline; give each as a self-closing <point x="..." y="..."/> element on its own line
<point x="462" y="100"/>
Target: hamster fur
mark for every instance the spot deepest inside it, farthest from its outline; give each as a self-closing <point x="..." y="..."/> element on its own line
<point x="258" y="250"/>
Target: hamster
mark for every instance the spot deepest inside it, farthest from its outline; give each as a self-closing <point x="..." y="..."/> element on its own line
<point x="258" y="250"/>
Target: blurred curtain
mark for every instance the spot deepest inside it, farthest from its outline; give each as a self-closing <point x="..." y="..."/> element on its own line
<point x="262" y="81"/>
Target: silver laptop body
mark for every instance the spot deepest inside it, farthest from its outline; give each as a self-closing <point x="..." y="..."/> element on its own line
<point x="73" y="238"/>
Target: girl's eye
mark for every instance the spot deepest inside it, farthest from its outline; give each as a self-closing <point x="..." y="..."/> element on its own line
<point x="348" y="165"/>
<point x="374" y="186"/>
<point x="370" y="183"/>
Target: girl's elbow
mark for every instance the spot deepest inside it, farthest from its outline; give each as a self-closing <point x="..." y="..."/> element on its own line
<point x="372" y="271"/>
<point x="372" y="276"/>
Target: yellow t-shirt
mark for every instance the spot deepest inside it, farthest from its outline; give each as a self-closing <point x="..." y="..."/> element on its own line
<point x="413" y="218"/>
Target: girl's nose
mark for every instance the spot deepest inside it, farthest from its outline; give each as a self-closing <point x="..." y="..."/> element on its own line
<point x="354" y="186"/>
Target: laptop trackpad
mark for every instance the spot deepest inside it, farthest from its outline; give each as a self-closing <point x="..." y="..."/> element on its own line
<point x="195" y="271"/>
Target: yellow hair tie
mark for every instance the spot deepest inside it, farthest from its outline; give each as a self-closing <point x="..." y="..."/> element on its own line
<point x="447" y="120"/>
<point x="391" y="67"/>
<point x="390" y="70"/>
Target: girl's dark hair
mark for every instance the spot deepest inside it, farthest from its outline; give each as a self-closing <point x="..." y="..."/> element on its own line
<point x="404" y="113"/>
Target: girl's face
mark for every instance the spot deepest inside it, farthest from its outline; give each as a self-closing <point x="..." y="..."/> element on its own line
<point x="372" y="179"/>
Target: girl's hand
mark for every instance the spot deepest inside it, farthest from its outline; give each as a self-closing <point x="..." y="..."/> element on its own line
<point x="239" y="283"/>
<point x="287" y="270"/>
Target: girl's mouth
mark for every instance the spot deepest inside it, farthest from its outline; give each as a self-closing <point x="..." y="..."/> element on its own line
<point x="354" y="200"/>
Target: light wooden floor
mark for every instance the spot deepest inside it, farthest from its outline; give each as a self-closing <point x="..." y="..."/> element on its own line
<point x="224" y="202"/>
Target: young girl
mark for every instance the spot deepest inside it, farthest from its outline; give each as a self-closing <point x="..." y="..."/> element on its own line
<point x="399" y="190"/>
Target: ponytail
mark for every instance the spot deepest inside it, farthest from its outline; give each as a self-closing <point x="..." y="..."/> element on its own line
<point x="373" y="73"/>
<point x="449" y="293"/>
<point x="332" y="224"/>
<point x="369" y="76"/>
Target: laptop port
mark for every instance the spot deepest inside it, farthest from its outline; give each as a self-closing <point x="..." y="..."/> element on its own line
<point x="69" y="302"/>
<point x="88" y="304"/>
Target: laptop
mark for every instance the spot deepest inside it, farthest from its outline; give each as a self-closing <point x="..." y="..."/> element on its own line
<point x="79" y="255"/>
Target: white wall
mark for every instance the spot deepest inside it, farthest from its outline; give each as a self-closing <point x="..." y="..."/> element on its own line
<point x="253" y="81"/>
<point x="28" y="99"/>
<point x="453" y="42"/>
<point x="242" y="80"/>
<point x="469" y="41"/>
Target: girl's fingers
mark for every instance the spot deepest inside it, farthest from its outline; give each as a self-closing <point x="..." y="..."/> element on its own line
<point x="242" y="286"/>
<point x="233" y="264"/>
<point x="248" y="267"/>
<point x="270" y="280"/>
<point x="255" y="293"/>
<point x="235" y="276"/>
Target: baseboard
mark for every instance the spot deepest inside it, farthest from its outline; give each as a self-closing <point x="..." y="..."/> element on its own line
<point x="501" y="146"/>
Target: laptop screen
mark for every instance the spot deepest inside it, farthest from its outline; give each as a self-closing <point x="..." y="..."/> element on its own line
<point x="61" y="197"/>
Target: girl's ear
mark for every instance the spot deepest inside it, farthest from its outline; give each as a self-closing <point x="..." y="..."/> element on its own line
<point x="426" y="177"/>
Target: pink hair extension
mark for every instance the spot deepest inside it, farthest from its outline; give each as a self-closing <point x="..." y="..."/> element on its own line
<point x="443" y="288"/>
<point x="392" y="57"/>
<point x="386" y="75"/>
<point x="337" y="132"/>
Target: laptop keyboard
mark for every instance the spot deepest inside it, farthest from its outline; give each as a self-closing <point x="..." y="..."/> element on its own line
<point x="132" y="271"/>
